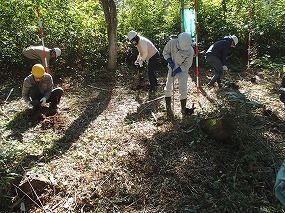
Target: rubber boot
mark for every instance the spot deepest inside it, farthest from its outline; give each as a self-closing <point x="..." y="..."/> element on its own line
<point x="183" y="105"/>
<point x="168" y="107"/>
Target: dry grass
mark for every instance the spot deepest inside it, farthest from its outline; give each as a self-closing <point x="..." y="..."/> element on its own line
<point x="101" y="156"/>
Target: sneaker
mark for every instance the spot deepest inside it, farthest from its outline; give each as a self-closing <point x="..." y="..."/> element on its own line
<point x="281" y="90"/>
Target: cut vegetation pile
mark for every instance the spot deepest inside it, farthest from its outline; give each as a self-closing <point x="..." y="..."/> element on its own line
<point x="99" y="155"/>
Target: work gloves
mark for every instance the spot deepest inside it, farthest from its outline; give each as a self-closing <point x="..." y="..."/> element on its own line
<point x="43" y="101"/>
<point x="37" y="103"/>
<point x="139" y="61"/>
<point x="177" y="70"/>
<point x="225" y="68"/>
<point x="34" y="103"/>
<point x="170" y="62"/>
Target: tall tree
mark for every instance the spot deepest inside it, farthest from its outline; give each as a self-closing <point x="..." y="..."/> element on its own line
<point x="110" y="12"/>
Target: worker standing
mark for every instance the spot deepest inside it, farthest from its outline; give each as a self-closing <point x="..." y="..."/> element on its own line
<point x="179" y="54"/>
<point x="147" y="52"/>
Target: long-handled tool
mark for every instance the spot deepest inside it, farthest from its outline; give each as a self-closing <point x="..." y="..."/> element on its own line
<point x="172" y="74"/>
<point x="140" y="79"/>
<point x="98" y="88"/>
<point x="196" y="48"/>
<point x="1" y="111"/>
<point x="9" y="94"/>
<point x="147" y="104"/>
<point x="249" y="42"/>
<point x="42" y="37"/>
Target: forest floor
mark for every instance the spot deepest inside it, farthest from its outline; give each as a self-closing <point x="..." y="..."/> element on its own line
<point x="102" y="153"/>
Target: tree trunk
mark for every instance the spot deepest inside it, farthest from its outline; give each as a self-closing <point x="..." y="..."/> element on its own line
<point x="224" y="6"/>
<point x="110" y="12"/>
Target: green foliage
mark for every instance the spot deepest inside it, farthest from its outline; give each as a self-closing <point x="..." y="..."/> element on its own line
<point x="156" y="20"/>
<point x="14" y="30"/>
<point x="79" y="28"/>
<point x="269" y="27"/>
<point x="220" y="18"/>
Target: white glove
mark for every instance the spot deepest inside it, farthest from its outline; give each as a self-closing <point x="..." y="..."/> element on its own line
<point x="43" y="101"/>
<point x="139" y="62"/>
<point x="225" y="68"/>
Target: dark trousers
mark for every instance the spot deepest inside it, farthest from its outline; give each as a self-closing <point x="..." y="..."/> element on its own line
<point x="54" y="98"/>
<point x="216" y="63"/>
<point x="151" y="67"/>
<point x="282" y="96"/>
<point x="283" y="81"/>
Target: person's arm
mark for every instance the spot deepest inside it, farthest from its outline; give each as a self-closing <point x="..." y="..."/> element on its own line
<point x="25" y="90"/>
<point x="143" y="49"/>
<point x="167" y="55"/>
<point x="167" y="51"/>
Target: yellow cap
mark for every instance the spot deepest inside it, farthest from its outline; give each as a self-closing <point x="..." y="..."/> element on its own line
<point x="38" y="70"/>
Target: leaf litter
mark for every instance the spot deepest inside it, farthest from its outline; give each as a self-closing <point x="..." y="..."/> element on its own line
<point x="104" y="156"/>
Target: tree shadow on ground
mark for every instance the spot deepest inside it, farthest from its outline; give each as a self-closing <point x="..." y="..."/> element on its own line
<point x="30" y="118"/>
<point x="186" y="171"/>
<point x="92" y="107"/>
<point x="22" y="122"/>
<point x="92" y="110"/>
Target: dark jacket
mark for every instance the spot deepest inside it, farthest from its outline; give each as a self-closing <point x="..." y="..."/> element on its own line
<point x="220" y="49"/>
